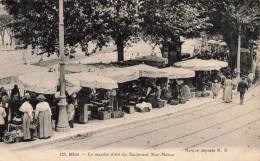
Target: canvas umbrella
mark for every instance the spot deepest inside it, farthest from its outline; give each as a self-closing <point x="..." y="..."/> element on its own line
<point x="178" y="73"/>
<point x="147" y="71"/>
<point x="40" y="82"/>
<point x="198" y="65"/>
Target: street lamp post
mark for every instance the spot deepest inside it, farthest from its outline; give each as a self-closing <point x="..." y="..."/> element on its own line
<point x="63" y="124"/>
<point x="238" y="52"/>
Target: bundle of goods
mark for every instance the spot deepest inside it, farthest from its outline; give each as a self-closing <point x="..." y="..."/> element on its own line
<point x="182" y="100"/>
<point x="17" y="121"/>
<point x="129" y="109"/>
<point x="117" y="114"/>
<point x="143" y="107"/>
<point x="13" y="136"/>
<point x="161" y="103"/>
<point x="174" y="102"/>
<point x="205" y="94"/>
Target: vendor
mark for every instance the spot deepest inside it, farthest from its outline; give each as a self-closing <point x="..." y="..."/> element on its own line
<point x="70" y="112"/>
<point x="185" y="91"/>
<point x="166" y="94"/>
<point x="175" y="89"/>
<point x="15" y="105"/>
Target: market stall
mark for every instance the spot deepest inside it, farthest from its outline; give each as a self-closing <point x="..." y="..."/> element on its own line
<point x="179" y="80"/>
<point x="96" y="95"/>
<point x="203" y="71"/>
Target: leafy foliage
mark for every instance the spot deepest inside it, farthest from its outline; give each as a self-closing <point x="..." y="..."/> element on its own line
<point x="172" y="19"/>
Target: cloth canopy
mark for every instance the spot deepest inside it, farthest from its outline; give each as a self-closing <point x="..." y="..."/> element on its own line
<point x="9" y="73"/>
<point x="178" y="73"/>
<point x="39" y="82"/>
<point x="152" y="59"/>
<point x="200" y="65"/>
<point x="146" y="71"/>
<point x="75" y="81"/>
<point x="121" y="75"/>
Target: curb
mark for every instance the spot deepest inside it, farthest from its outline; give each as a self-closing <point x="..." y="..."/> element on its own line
<point x="119" y="124"/>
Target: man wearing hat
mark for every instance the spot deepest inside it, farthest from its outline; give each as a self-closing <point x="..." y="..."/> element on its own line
<point x="242" y="86"/>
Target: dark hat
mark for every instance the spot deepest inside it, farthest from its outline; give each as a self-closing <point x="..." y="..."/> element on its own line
<point x="2" y="90"/>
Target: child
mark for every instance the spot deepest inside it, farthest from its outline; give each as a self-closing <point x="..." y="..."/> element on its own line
<point x="215" y="89"/>
<point x="2" y="122"/>
<point x="71" y="113"/>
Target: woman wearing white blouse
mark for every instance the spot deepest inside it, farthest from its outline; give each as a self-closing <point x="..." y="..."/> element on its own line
<point x="43" y="115"/>
<point x="27" y="109"/>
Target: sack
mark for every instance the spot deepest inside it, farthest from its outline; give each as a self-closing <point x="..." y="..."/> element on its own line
<point x="182" y="101"/>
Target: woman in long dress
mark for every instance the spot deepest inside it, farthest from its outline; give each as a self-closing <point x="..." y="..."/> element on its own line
<point x="43" y="115"/>
<point x="227" y="95"/>
<point x="27" y="109"/>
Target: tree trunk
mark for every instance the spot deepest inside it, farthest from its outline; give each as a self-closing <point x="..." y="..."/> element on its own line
<point x="120" y="50"/>
<point x="232" y="55"/>
<point x="251" y="55"/>
<point x="11" y="40"/>
<point x="3" y="37"/>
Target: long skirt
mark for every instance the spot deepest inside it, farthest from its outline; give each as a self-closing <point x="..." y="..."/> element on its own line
<point x="26" y="126"/>
<point x="227" y="95"/>
<point x="45" y="126"/>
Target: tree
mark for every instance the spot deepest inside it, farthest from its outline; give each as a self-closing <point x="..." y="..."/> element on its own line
<point x="228" y="17"/>
<point x="36" y="23"/>
<point x="165" y="20"/>
<point x="120" y="22"/>
<point x="4" y="21"/>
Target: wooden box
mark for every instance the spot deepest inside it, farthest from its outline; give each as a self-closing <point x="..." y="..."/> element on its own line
<point x="129" y="109"/>
<point x="104" y="115"/>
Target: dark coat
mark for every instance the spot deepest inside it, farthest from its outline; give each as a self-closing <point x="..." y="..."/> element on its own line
<point x="242" y="86"/>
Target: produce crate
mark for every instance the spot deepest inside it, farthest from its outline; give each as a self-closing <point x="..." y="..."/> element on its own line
<point x="145" y="109"/>
<point x="161" y="103"/>
<point x="104" y="115"/>
<point x="117" y="114"/>
<point x="109" y="108"/>
<point x="174" y="102"/>
<point x="129" y="109"/>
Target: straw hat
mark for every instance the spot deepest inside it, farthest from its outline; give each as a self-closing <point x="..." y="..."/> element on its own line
<point x="41" y="98"/>
<point x="27" y="96"/>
